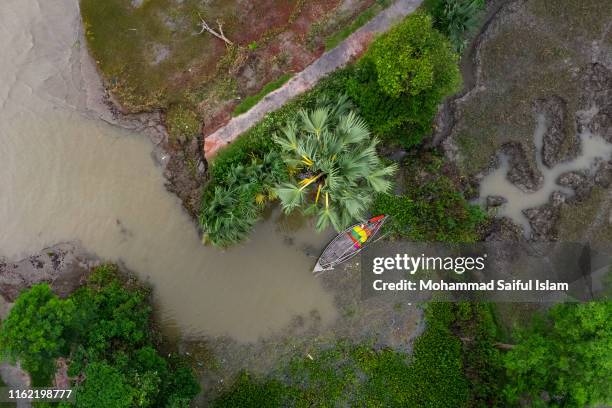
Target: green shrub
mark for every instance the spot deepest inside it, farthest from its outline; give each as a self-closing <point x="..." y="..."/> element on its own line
<point x="182" y="123"/>
<point x="457" y="19"/>
<point x="35" y="331"/>
<point x="412" y="58"/>
<point x="402" y="78"/>
<point x="233" y="203"/>
<point x="564" y="354"/>
<point x="404" y="119"/>
<point x="105" y="387"/>
<point x="250" y="101"/>
<point x="431" y="208"/>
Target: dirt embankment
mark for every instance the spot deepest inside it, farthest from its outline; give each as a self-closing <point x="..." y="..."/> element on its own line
<point x="62" y="266"/>
<point x="533" y="58"/>
<point x="271" y="38"/>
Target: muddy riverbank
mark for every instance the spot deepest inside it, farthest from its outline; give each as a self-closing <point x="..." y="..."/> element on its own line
<point x="524" y="63"/>
<point x="72" y="173"/>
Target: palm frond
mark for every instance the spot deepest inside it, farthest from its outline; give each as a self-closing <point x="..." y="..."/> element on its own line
<point x="378" y="179"/>
<point x="290" y="196"/>
<point x="314" y="122"/>
<point x="353" y="129"/>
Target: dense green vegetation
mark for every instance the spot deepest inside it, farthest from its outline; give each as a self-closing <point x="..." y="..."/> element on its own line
<point x="563" y="358"/>
<point x="400" y="81"/>
<point x="250" y="101"/>
<point x="234" y="202"/>
<point x="103" y="330"/>
<point x="431" y="207"/>
<point x="457" y="19"/>
<point x="335" y="169"/>
<point x="436" y="375"/>
<point x="395" y="107"/>
<point x="35" y="332"/>
<point x="226" y="225"/>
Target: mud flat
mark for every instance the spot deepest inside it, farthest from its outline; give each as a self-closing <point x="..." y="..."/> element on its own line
<point x="63" y="266"/>
<point x="539" y="59"/>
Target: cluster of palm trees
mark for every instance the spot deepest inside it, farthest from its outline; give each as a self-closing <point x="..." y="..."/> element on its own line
<point x="333" y="167"/>
<point x="326" y="166"/>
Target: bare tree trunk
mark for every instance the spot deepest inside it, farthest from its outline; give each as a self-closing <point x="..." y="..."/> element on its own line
<point x="219" y="34"/>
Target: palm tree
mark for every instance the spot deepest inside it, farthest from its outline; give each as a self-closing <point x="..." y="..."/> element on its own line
<point x="333" y="165"/>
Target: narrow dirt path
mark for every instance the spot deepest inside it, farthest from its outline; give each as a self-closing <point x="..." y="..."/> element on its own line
<point x="328" y="62"/>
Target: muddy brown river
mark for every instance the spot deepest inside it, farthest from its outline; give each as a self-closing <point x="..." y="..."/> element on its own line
<point x="67" y="176"/>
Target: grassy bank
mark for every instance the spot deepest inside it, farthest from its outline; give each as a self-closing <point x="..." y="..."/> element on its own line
<point x="250" y="101"/>
<point x="362" y="18"/>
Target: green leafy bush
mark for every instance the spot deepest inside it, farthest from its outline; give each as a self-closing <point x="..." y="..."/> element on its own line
<point x="233" y="203"/>
<point x="103" y="330"/>
<point x="563" y="357"/>
<point x="402" y="78"/>
<point x="105" y="386"/>
<point x="412" y="58"/>
<point x="35" y="330"/>
<point x="404" y="119"/>
<point x="457" y="19"/>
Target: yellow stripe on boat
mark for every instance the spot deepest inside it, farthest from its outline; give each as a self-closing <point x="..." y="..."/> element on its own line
<point x="360" y="234"/>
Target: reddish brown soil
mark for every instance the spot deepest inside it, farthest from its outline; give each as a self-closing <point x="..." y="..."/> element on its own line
<point x="280" y="32"/>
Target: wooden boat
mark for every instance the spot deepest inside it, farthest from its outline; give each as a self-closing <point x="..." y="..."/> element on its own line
<point x="349" y="243"/>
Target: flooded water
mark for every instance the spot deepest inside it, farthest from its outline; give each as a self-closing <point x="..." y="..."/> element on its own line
<point x="67" y="177"/>
<point x="593" y="148"/>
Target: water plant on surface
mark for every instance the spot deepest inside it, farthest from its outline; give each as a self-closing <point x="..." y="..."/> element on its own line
<point x="442" y="372"/>
<point x="333" y="165"/>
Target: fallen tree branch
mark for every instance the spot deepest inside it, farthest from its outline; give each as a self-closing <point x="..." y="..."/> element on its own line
<point x="504" y="346"/>
<point x="220" y="35"/>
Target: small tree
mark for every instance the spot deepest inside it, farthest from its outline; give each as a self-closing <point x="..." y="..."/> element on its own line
<point x="413" y="58"/>
<point x="105" y="387"/>
<point x="403" y="77"/>
<point x="34" y="331"/>
<point x="333" y="165"/>
<point x="564" y="358"/>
